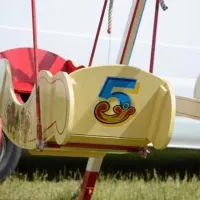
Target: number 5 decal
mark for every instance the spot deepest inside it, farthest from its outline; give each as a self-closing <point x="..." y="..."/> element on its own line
<point x="124" y="109"/>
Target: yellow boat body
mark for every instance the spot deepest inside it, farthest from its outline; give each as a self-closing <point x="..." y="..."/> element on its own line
<point x="101" y="105"/>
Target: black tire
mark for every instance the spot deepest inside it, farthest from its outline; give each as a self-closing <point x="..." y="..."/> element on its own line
<point x="9" y="157"/>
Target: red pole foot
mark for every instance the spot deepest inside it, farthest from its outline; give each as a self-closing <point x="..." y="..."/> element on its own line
<point x="88" y="185"/>
<point x="90" y="178"/>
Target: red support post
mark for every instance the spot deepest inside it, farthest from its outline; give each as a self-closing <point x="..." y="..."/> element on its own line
<point x="39" y="126"/>
<point x="153" y="46"/>
<point x="90" y="178"/>
<point x="98" y="32"/>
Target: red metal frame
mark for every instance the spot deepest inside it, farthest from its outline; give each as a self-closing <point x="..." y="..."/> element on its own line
<point x="40" y="144"/>
<point x="25" y="74"/>
<point x="88" y="185"/>
<point x="35" y="45"/>
<point x="91" y="177"/>
<point x="153" y="46"/>
<point x="95" y="146"/>
<point x="129" y="32"/>
<point x="98" y="32"/>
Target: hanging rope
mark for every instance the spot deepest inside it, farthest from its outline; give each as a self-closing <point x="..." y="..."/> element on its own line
<point x="110" y="16"/>
<point x="110" y="12"/>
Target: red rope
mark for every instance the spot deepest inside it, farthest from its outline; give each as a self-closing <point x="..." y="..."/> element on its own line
<point x="151" y="67"/>
<point x="98" y="32"/>
<point x="39" y="126"/>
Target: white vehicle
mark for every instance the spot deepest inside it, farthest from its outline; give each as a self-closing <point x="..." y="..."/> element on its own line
<point x="177" y="49"/>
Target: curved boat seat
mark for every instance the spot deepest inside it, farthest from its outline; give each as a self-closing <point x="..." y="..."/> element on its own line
<point x="121" y="105"/>
<point x="23" y="87"/>
<point x="116" y="105"/>
<point x="69" y="67"/>
<point x="22" y="66"/>
<point x="94" y="109"/>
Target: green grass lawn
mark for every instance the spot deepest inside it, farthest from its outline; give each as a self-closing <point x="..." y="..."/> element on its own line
<point x="173" y="175"/>
<point x="107" y="188"/>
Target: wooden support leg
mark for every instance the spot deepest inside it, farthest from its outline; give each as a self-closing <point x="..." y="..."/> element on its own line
<point x="90" y="178"/>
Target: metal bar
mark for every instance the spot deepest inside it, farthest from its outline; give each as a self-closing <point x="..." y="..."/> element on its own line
<point x="98" y="32"/>
<point x="34" y="31"/>
<point x="40" y="144"/>
<point x="153" y="46"/>
<point x="131" y="31"/>
<point x="90" y="178"/>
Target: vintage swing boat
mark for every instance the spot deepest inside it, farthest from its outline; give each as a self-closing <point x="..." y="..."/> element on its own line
<point x="90" y="111"/>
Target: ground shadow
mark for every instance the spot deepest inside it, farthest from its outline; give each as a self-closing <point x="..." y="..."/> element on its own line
<point x="165" y="163"/>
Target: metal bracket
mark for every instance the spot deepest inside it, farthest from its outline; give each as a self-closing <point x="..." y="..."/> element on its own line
<point x="163" y="5"/>
<point x="144" y="152"/>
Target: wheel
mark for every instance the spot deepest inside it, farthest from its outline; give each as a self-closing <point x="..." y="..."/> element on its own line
<point x="9" y="157"/>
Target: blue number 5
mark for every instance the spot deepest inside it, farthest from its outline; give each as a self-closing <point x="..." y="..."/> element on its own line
<point x="111" y="83"/>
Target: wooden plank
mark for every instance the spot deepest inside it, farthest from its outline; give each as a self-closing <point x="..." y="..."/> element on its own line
<point x="188" y="107"/>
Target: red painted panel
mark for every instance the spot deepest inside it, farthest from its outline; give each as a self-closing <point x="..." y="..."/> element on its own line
<point x="22" y="67"/>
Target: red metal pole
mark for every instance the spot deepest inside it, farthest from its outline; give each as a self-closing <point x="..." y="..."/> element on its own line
<point x="34" y="26"/>
<point x="90" y="178"/>
<point x="94" y="164"/>
<point x="125" y="49"/>
<point x="98" y="32"/>
<point x="1" y="132"/>
<point x="153" y="46"/>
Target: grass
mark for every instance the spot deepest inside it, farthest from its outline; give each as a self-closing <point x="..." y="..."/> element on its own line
<point x="107" y="188"/>
<point x="170" y="175"/>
